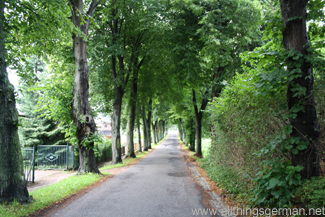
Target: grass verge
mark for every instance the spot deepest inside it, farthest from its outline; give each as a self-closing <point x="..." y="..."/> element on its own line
<point x="225" y="181"/>
<point x="50" y="194"/>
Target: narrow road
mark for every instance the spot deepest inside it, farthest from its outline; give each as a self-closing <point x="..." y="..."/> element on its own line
<point x="159" y="185"/>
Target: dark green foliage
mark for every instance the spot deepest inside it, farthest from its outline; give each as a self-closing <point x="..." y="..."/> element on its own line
<point x="40" y="131"/>
<point x="252" y="116"/>
<point x="103" y="150"/>
<point x="312" y="192"/>
<point x="35" y="129"/>
<point x="276" y="184"/>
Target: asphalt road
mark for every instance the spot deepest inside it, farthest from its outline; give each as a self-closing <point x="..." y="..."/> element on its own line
<point x="159" y="185"/>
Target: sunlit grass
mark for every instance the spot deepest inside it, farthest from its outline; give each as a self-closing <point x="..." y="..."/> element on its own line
<point x="206" y="144"/>
<point x="51" y="194"/>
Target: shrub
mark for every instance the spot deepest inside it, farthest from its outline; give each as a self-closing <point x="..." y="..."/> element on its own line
<point x="103" y="150"/>
<point x="312" y="192"/>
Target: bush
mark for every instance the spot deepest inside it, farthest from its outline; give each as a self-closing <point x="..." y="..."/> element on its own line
<point x="312" y="192"/>
<point x="103" y="150"/>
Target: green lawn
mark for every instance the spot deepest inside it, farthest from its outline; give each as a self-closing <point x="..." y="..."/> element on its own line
<point x="48" y="195"/>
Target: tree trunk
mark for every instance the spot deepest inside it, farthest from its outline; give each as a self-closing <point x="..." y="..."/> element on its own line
<point x="139" y="137"/>
<point x="157" y="131"/>
<point x="81" y="110"/>
<point x="192" y="135"/>
<point x="198" y="118"/>
<point x="145" y="130"/>
<point x="161" y="130"/>
<point x="149" y="123"/>
<point x="305" y="125"/>
<point x="12" y="184"/>
<point x="131" y="118"/>
<point x="130" y="132"/>
<point x="116" y="125"/>
<point x="164" y="129"/>
<point x="180" y="129"/>
<point x="198" y="125"/>
<point x="154" y="132"/>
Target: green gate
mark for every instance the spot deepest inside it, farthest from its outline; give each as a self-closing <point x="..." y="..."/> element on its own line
<point x="55" y="157"/>
<point x="29" y="164"/>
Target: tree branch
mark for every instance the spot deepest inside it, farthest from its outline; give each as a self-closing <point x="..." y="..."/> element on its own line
<point x="194" y="103"/>
<point x="92" y="7"/>
<point x="139" y="65"/>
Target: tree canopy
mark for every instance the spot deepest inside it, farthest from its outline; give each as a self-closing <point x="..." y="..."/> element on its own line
<point x="247" y="74"/>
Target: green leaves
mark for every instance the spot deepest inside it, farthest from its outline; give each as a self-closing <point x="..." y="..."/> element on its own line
<point x="275" y="188"/>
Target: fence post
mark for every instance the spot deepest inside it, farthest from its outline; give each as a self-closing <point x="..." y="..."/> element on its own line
<point x="33" y="162"/>
<point x="67" y="156"/>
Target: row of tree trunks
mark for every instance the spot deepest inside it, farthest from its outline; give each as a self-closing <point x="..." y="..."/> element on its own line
<point x="135" y="67"/>
<point x="81" y="110"/>
<point x="162" y="129"/>
<point x="12" y="184"/>
<point x="120" y="79"/>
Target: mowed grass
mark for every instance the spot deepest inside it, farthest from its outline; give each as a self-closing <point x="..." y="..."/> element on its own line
<point x="51" y="194"/>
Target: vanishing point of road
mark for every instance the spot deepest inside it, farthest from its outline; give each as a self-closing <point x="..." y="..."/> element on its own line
<point x="158" y="185"/>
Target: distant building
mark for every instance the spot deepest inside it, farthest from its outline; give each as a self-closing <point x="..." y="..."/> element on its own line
<point x="104" y="126"/>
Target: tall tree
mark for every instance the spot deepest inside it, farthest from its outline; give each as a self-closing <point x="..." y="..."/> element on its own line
<point x="36" y="129"/>
<point x="12" y="186"/>
<point x="198" y="117"/>
<point x="82" y="115"/>
<point x="132" y="109"/>
<point x="305" y="124"/>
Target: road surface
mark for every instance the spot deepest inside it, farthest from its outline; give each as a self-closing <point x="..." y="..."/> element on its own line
<point x="159" y="185"/>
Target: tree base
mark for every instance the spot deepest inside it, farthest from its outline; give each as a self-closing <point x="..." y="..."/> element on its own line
<point x="87" y="161"/>
<point x="17" y="192"/>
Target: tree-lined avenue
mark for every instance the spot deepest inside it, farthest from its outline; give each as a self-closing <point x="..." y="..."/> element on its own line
<point x="159" y="185"/>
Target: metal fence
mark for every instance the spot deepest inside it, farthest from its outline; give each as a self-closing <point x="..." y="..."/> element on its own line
<point x="29" y="164"/>
<point x="55" y="157"/>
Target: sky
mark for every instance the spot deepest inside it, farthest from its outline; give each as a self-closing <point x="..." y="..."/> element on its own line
<point x="13" y="78"/>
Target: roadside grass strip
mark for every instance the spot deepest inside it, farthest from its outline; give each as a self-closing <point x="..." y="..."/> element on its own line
<point x="51" y="194"/>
